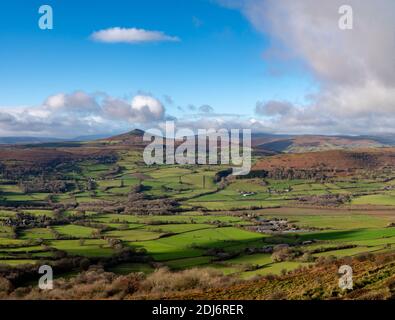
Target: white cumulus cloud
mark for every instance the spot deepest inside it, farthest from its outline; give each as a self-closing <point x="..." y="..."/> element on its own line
<point x="131" y="35"/>
<point x="149" y="105"/>
<point x="354" y="69"/>
<point x="79" y="113"/>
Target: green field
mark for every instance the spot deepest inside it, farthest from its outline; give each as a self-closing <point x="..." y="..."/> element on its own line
<point x="376" y="199"/>
<point x="75" y="231"/>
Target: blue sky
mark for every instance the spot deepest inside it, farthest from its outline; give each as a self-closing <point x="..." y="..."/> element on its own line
<point x="219" y="60"/>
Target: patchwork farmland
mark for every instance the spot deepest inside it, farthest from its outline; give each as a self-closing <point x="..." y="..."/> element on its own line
<point x="97" y="203"/>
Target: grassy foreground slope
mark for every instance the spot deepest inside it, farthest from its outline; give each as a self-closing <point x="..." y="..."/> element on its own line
<point x="373" y="278"/>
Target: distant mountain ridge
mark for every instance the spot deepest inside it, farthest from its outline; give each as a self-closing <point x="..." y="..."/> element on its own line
<point x="27" y="140"/>
<point x="311" y="143"/>
<point x="39" y="140"/>
<point x="261" y="142"/>
<point x="134" y="137"/>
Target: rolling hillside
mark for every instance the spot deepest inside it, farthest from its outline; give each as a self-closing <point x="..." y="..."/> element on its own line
<point x="331" y="160"/>
<point x="301" y="144"/>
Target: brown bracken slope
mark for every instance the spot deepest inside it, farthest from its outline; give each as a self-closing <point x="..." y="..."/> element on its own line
<point x="334" y="159"/>
<point x="373" y="278"/>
